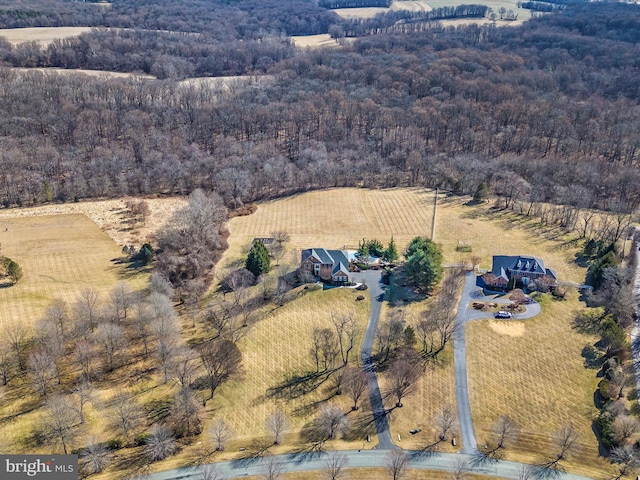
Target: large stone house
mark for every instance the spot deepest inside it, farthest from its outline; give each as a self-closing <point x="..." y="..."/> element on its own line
<point x="329" y="265"/>
<point x="524" y="269"/>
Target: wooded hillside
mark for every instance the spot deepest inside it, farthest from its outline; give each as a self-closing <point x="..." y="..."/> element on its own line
<point x="546" y="112"/>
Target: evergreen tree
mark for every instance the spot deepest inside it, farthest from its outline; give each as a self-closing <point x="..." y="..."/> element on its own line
<point x="424" y="263"/>
<point x="482" y="192"/>
<point x="258" y="261"/>
<point x="391" y="253"/>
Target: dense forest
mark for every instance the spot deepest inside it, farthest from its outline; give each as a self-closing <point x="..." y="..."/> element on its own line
<point x="545" y="112"/>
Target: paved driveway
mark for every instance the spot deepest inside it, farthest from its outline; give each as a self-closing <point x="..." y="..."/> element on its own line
<point x="466" y="313"/>
<point x="373" y="279"/>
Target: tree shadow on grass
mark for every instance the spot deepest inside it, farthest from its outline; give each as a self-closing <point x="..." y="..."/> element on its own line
<point x="298" y="385"/>
<point x="362" y="426"/>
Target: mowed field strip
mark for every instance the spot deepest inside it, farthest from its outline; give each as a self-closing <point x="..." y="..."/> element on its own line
<point x="335" y="218"/>
<point x="42" y="35"/>
<point x="64" y="249"/>
<point x="60" y="256"/>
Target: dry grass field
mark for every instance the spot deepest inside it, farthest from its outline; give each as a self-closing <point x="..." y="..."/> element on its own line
<point x="495" y="232"/>
<point x="533" y="371"/>
<point x="370" y="12"/>
<point x="60" y="256"/>
<point x="435" y="390"/>
<point x="279" y="346"/>
<point x="42" y="35"/>
<point x="322" y="40"/>
<point x="335" y="218"/>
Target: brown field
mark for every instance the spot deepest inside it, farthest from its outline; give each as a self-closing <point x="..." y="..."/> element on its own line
<point x="323" y="40"/>
<point x="60" y="256"/>
<point x="435" y="390"/>
<point x="370" y="12"/>
<point x="535" y="374"/>
<point x="42" y="35"/>
<point x="508" y="368"/>
<point x="336" y="218"/>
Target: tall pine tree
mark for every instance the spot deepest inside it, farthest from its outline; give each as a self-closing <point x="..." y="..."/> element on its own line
<point x="258" y="261"/>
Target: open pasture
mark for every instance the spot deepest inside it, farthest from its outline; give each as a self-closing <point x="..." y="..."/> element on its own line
<point x="370" y="12"/>
<point x="336" y="218"/>
<point x="60" y="256"/>
<point x="42" y="35"/>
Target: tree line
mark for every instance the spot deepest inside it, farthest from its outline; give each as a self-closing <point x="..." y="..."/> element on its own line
<point x="354" y="3"/>
<point x="385" y="22"/>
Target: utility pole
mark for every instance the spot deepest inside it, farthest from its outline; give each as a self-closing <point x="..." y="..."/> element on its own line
<point x="435" y="212"/>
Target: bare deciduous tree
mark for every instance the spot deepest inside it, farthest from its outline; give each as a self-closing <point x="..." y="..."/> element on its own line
<point x="627" y="459"/>
<point x="84" y="356"/>
<point x="41" y="371"/>
<point x="125" y="414"/>
<point x="346" y="331"/>
<point x="50" y="340"/>
<point x="324" y="348"/>
<point x="183" y="366"/>
<point x="112" y="340"/>
<point x="186" y="413"/>
<point x="96" y="457"/>
<point x="160" y="443"/>
<point x="221" y="433"/>
<point x="446" y="422"/>
<point x="389" y="334"/>
<point x="624" y="427"/>
<point x="84" y="394"/>
<point x="59" y="421"/>
<point x="503" y="432"/>
<point x="396" y="464"/>
<point x="57" y="313"/>
<point x="6" y="362"/>
<point x="334" y="466"/>
<point x="331" y="421"/>
<point x="221" y="359"/>
<point x="122" y="299"/>
<point x="277" y="424"/>
<point x="85" y="311"/>
<point x="17" y="335"/>
<point x="564" y="442"/>
<point x="355" y="384"/>
<point x="166" y="350"/>
<point x="403" y="375"/>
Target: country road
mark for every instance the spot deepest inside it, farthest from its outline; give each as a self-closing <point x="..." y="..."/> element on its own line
<point x="363" y="459"/>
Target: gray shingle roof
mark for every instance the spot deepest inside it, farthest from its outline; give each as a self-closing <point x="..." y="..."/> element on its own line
<point x="502" y="264"/>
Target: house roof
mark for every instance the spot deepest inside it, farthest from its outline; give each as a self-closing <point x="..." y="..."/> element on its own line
<point x="504" y="264"/>
<point x="319" y="253"/>
<point x="337" y="258"/>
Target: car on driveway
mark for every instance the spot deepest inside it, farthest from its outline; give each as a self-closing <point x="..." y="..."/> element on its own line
<point x="503" y="314"/>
